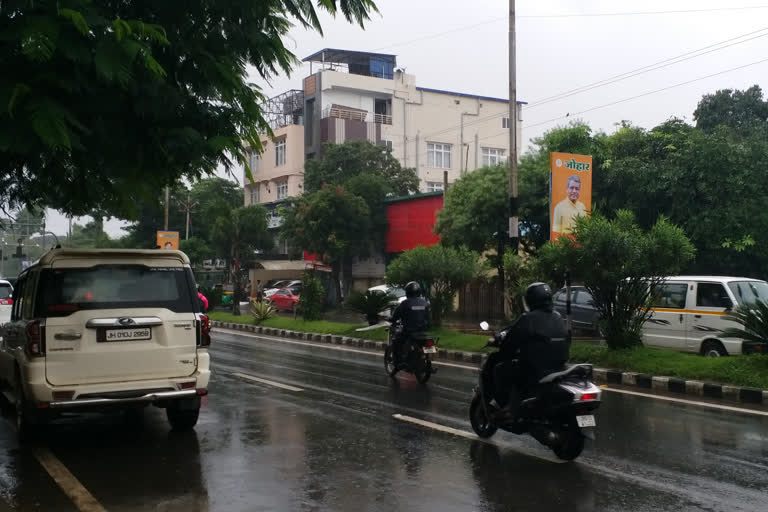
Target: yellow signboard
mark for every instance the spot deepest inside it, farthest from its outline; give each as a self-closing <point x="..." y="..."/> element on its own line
<point x="168" y="240"/>
<point x="570" y="193"/>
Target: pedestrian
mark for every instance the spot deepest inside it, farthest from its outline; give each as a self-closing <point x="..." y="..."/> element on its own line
<point x="259" y="290"/>
<point x="248" y="288"/>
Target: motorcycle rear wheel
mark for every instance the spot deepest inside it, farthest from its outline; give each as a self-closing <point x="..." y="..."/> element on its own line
<point x="389" y="362"/>
<point x="481" y="423"/>
<point x="571" y="444"/>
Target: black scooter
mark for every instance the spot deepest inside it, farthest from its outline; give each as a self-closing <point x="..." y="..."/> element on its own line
<point x="557" y="413"/>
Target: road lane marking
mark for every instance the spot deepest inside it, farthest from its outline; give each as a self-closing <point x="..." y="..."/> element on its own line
<point x="83" y="500"/>
<point x="332" y="347"/>
<point x="689" y="402"/>
<point x="267" y="382"/>
<point x="436" y="426"/>
<point x="475" y="368"/>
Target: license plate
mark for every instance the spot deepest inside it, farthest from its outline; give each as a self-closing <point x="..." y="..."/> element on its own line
<point x="430" y="350"/>
<point x="144" y="333"/>
<point x="586" y="421"/>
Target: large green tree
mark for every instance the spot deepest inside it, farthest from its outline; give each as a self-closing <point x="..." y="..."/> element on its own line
<point x="102" y="104"/>
<point x="242" y="231"/>
<point x="744" y="111"/>
<point x="332" y="223"/>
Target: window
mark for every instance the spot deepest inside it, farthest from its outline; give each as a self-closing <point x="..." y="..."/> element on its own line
<point x="282" y="190"/>
<point x="493" y="156"/>
<point x="749" y="292"/>
<point x="669" y="295"/>
<point x="253" y="160"/>
<point x="282" y="246"/>
<point x="386" y="143"/>
<point x="434" y="186"/>
<point x="255" y="194"/>
<point x="712" y="295"/>
<point x="280" y="153"/>
<point x="583" y="298"/>
<point x="6" y="291"/>
<point x="505" y="123"/>
<point x="439" y="155"/>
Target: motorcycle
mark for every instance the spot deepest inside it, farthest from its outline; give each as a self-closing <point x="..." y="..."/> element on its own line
<point x="418" y="351"/>
<point x="558" y="413"/>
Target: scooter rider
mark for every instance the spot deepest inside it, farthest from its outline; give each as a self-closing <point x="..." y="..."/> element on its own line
<point x="413" y="313"/>
<point x="536" y="345"/>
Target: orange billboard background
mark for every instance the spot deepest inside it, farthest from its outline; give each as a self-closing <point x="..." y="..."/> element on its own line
<point x="168" y="237"/>
<point x="562" y="210"/>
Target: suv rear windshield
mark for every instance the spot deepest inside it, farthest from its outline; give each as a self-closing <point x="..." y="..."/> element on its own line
<point x="5" y="291"/>
<point x="64" y="291"/>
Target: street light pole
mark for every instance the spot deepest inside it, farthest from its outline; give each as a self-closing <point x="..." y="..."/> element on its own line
<point x="167" y="200"/>
<point x="513" y="190"/>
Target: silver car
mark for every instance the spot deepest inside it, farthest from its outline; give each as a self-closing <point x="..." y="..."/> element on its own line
<point x="584" y="316"/>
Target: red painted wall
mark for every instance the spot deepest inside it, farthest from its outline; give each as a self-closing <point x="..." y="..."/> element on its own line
<point x="411" y="222"/>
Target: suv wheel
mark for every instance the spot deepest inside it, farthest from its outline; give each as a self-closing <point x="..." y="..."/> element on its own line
<point x="182" y="416"/>
<point x="25" y="425"/>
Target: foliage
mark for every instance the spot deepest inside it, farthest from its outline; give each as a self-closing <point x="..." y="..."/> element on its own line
<point x="105" y="103"/>
<point x="242" y="231"/>
<point x="213" y="294"/>
<point x="370" y="304"/>
<point x="744" y="111"/>
<point x="753" y="319"/>
<point x="312" y="298"/>
<point x="196" y="249"/>
<point x="441" y="271"/>
<point x="212" y="198"/>
<point x="475" y="214"/>
<point x="342" y="162"/>
<point x="520" y="272"/>
<point x="331" y="223"/>
<point x="261" y="311"/>
<point x="90" y="236"/>
<point x="620" y="264"/>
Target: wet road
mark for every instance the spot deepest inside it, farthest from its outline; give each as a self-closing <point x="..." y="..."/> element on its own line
<point x="291" y="427"/>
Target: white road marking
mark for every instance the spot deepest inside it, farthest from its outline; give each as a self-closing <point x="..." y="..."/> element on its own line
<point x="475" y="368"/>
<point x="689" y="402"/>
<point x="436" y="426"/>
<point x="334" y="347"/>
<point x="267" y="382"/>
<point x="82" y="499"/>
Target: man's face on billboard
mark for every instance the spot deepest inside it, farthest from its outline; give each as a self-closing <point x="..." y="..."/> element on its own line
<point x="573" y="191"/>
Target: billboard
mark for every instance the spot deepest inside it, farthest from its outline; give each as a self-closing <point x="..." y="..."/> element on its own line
<point x="168" y="240"/>
<point x="570" y="193"/>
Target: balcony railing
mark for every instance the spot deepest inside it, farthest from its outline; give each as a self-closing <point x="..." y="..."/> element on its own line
<point x="357" y="115"/>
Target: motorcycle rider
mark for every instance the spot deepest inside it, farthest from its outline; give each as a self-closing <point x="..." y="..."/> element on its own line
<point x="536" y="345"/>
<point x="413" y="313"/>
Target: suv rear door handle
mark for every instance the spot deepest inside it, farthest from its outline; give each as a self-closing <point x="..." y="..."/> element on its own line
<point x="68" y="336"/>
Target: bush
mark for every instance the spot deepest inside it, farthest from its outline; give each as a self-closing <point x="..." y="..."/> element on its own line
<point x="312" y="297"/>
<point x="261" y="311"/>
<point x="370" y="304"/>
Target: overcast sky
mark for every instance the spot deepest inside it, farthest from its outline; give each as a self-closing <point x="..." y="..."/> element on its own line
<point x="462" y="46"/>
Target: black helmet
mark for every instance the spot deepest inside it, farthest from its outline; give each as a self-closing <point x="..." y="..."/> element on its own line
<point x="538" y="296"/>
<point x="412" y="290"/>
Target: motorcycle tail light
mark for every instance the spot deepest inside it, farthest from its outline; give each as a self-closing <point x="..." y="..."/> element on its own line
<point x="430" y="343"/>
<point x="588" y="396"/>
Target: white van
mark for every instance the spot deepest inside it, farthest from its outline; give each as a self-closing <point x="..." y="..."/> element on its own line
<point x="689" y="314"/>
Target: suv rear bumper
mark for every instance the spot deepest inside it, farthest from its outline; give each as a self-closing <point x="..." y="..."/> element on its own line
<point x="148" y="398"/>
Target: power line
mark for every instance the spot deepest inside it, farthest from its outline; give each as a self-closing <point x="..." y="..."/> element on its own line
<point x="643" y="13"/>
<point x="605" y="105"/>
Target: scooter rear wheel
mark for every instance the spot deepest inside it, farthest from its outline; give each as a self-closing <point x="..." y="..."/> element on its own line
<point x="389" y="362"/>
<point x="481" y="423"/>
<point x="571" y="444"/>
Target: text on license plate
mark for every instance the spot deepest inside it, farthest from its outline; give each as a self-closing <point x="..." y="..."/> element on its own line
<point x="144" y="333"/>
<point x="586" y="421"/>
<point x="430" y="350"/>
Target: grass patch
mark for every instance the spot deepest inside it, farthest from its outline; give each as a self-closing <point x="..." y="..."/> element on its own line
<point x="751" y="371"/>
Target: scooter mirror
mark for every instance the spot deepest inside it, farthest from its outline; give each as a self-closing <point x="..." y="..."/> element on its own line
<point x="484" y="325"/>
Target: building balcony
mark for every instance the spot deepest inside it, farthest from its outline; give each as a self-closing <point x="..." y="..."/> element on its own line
<point x="356" y="115"/>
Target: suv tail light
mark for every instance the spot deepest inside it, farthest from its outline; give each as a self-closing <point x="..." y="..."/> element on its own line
<point x="35" y="339"/>
<point x="204" y="331"/>
<point x="6" y="302"/>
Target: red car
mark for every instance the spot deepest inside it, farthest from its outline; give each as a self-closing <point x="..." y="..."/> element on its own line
<point x="284" y="298"/>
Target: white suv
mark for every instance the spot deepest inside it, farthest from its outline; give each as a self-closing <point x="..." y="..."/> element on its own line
<point x="97" y="329"/>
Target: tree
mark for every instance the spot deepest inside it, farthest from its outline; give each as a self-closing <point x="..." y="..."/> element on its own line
<point x="212" y="198"/>
<point x="620" y="264"/>
<point x="142" y="234"/>
<point x="105" y="103"/>
<point x="441" y="271"/>
<point x="744" y="111"/>
<point x="474" y="214"/>
<point x="196" y="249"/>
<point x="342" y="162"/>
<point x="331" y="223"/>
<point x="242" y="231"/>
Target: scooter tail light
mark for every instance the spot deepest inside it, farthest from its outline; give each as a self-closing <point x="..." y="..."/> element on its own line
<point x="586" y="397"/>
<point x="430" y="343"/>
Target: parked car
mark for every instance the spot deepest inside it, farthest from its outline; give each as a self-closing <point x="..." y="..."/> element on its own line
<point x="102" y="329"/>
<point x="6" y="301"/>
<point x="584" y="316"/>
<point x="398" y="293"/>
<point x="689" y="313"/>
<point x="279" y="286"/>
<point x="285" y="299"/>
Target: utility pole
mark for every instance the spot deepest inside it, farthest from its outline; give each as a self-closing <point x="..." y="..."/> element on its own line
<point x="513" y="192"/>
<point x="167" y="200"/>
<point x="188" y="205"/>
